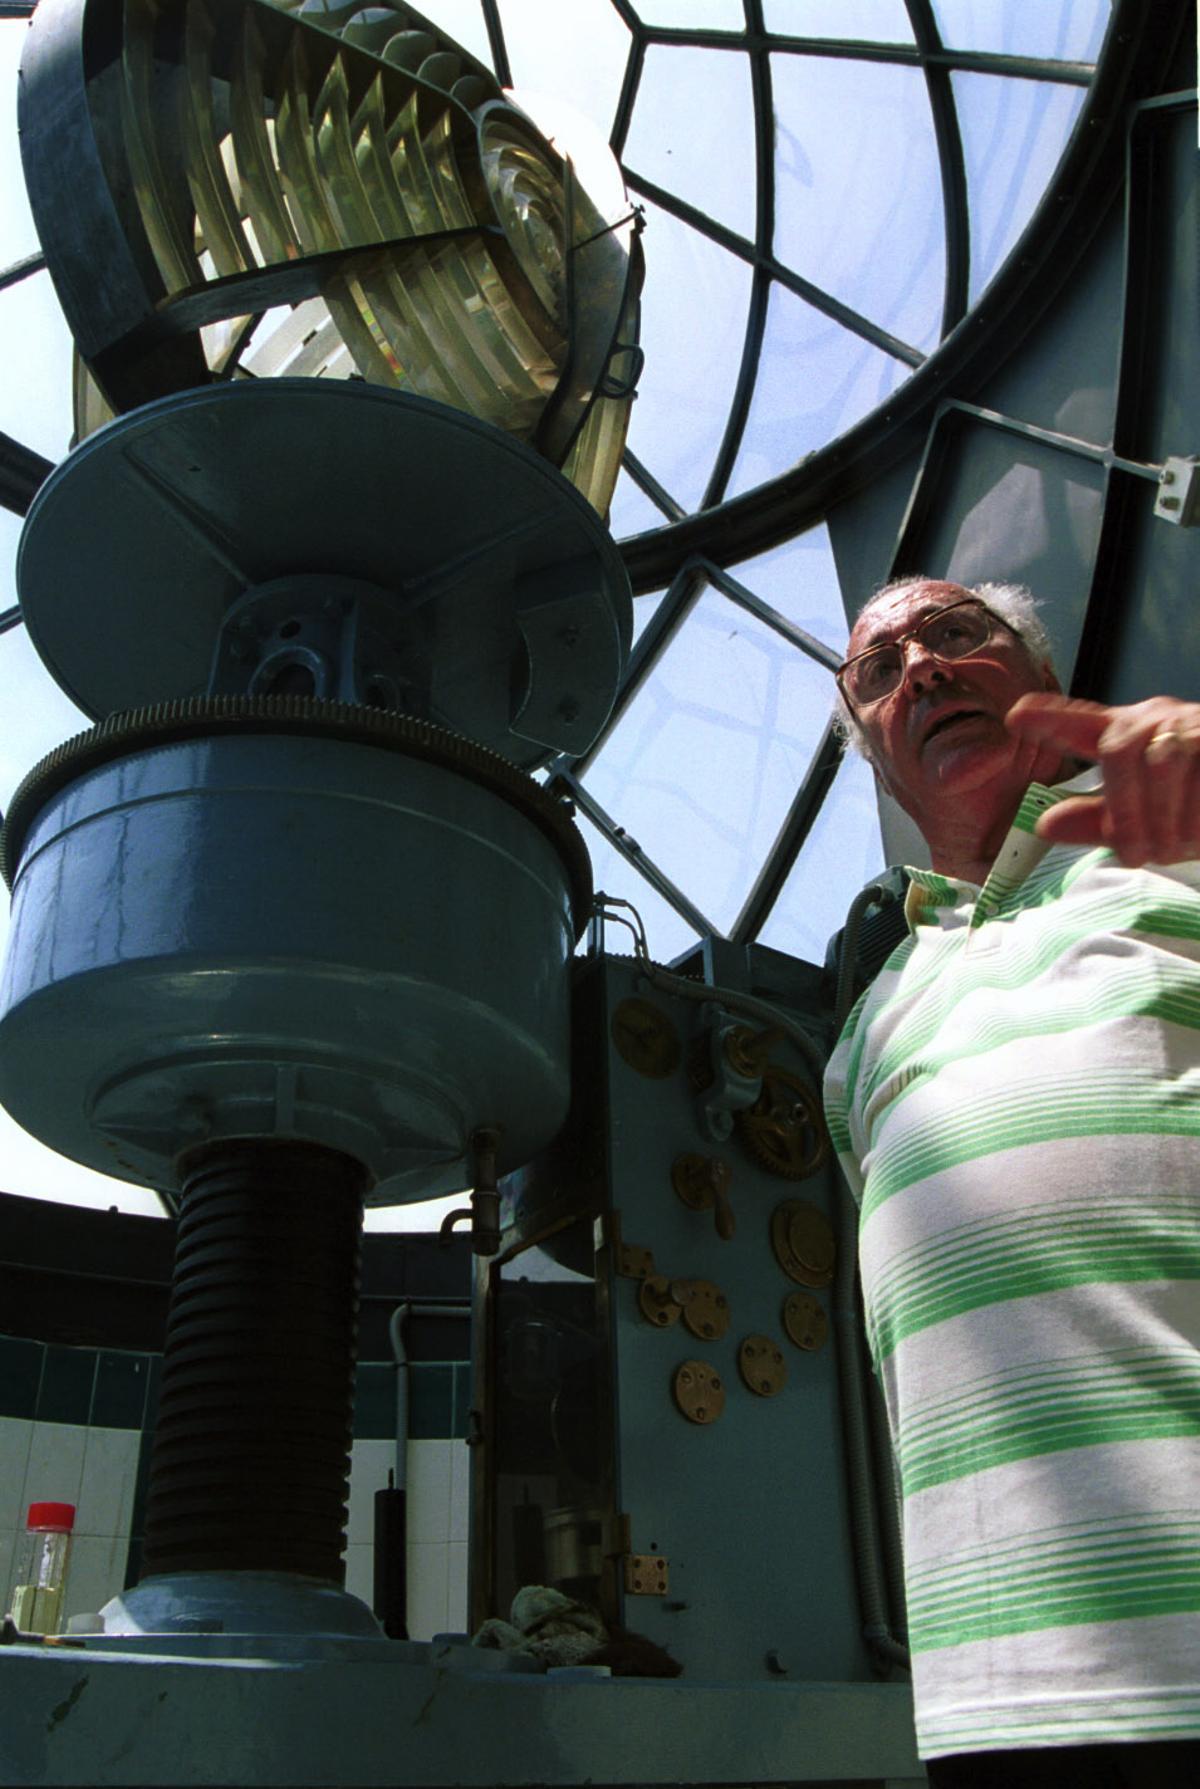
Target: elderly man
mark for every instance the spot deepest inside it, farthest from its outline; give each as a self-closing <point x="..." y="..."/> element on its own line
<point x="1016" y="1102"/>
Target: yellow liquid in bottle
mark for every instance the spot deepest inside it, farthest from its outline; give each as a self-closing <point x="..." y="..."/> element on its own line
<point x="36" y="1608"/>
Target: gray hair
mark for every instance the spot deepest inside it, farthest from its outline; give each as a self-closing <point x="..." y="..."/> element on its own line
<point x="1013" y="603"/>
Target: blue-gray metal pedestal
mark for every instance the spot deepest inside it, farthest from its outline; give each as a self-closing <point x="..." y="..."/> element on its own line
<point x="107" y="1717"/>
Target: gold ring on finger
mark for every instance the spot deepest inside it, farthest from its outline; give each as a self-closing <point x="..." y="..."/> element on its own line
<point x="1167" y="744"/>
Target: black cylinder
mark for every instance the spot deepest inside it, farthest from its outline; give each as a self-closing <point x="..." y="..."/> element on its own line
<point x="251" y="1459"/>
<point x="390" y="1604"/>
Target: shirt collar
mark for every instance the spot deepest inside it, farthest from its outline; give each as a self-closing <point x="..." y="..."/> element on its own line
<point x="1020" y="853"/>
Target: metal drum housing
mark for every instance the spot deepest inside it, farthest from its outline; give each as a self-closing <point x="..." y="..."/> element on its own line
<point x="291" y="919"/>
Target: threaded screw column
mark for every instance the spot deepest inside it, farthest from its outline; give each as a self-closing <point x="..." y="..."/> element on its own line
<point x="251" y="1458"/>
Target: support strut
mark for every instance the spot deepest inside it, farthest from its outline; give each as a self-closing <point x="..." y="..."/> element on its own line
<point x="251" y="1458"/>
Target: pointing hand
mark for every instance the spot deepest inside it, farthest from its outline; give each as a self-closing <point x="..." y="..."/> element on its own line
<point x="1149" y="752"/>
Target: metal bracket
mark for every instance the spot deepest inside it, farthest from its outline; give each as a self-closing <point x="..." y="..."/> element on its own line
<point x="1178" y="498"/>
<point x="643" y="1574"/>
<point x="646" y="1574"/>
<point x="630" y="1261"/>
<point x="732" y="1081"/>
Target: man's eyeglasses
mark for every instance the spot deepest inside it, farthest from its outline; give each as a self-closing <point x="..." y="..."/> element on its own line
<point x="953" y="632"/>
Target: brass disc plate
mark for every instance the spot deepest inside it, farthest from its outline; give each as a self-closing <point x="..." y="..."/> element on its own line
<point x="805" y="1322"/>
<point x="655" y="1301"/>
<point x="646" y="1038"/>
<point x="698" y="1391"/>
<point x="706" y="1313"/>
<point x="762" y="1366"/>
<point x="803" y="1243"/>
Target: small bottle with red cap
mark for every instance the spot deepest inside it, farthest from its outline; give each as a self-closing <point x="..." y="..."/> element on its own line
<point x="39" y="1602"/>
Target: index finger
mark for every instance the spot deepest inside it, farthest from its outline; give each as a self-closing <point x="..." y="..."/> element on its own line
<point x="1069" y="722"/>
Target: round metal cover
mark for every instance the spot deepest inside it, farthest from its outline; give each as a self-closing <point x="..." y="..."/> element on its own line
<point x="805" y="1322"/>
<point x="706" y="1312"/>
<point x="698" y="1391"/>
<point x="811" y="1236"/>
<point x="762" y="1366"/>
<point x="511" y="600"/>
<point x="646" y="1038"/>
<point x="802" y="1242"/>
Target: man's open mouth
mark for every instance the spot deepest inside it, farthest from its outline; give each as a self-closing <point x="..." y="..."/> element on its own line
<point x="945" y="721"/>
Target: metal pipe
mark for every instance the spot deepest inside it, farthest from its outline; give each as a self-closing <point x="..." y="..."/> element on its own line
<point x="391" y="1505"/>
<point x="407" y="1308"/>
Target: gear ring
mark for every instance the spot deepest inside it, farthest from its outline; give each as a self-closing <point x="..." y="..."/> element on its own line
<point x="783" y="1130"/>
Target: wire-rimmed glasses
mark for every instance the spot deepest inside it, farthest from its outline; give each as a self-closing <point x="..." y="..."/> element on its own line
<point x="948" y="633"/>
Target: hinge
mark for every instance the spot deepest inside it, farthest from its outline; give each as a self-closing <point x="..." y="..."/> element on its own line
<point x="631" y="1261"/>
<point x="642" y="1574"/>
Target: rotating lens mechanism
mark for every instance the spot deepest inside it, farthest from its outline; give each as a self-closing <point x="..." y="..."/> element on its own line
<point x="292" y="925"/>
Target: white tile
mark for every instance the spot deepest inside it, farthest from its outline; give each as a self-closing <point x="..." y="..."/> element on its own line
<point x="460" y="1491"/>
<point x="96" y="1571"/>
<point x="369" y="1463"/>
<point x="55" y="1469"/>
<point x="427" y="1585"/>
<point x="8" y="1554"/>
<point x="110" y="1463"/>
<point x="16" y="1432"/>
<point x="360" y="1572"/>
<point x="456" y="1588"/>
<point x="429" y="1476"/>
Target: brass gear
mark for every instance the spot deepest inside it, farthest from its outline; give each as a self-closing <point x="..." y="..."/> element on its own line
<point x="783" y="1130"/>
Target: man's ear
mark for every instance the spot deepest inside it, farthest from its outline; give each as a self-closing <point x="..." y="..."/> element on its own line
<point x="1050" y="679"/>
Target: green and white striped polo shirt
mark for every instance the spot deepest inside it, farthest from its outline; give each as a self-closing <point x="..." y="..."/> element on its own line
<point x="1016" y="1102"/>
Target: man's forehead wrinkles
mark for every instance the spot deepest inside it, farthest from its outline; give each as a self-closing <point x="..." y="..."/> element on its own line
<point x="901" y="623"/>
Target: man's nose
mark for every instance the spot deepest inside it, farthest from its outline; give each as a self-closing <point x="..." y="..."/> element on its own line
<point x="921" y="668"/>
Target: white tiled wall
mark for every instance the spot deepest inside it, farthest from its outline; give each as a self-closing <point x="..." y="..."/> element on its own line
<point x="437" y="1530"/>
<point x="96" y="1470"/>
